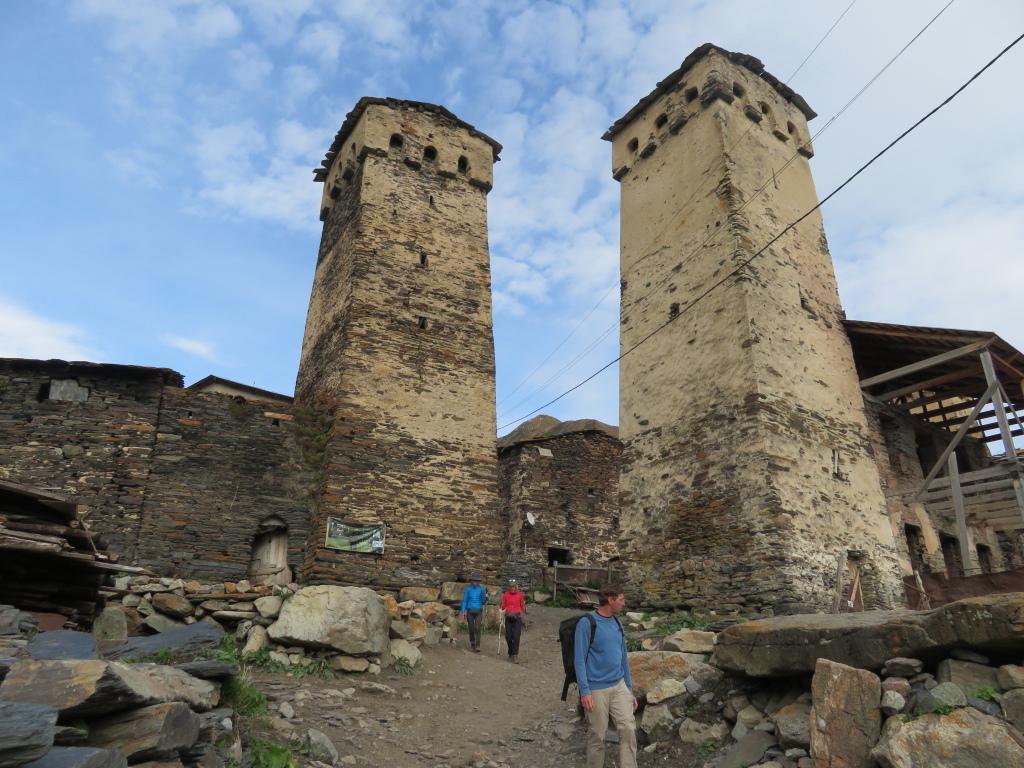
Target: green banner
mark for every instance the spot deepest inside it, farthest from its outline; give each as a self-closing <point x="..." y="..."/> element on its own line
<point x="355" y="537"/>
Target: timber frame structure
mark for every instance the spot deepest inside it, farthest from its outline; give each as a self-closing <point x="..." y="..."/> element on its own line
<point x="970" y="383"/>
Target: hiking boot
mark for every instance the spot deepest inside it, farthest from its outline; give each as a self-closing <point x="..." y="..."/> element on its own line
<point x="475" y="649"/>
<point x="515" y="659"/>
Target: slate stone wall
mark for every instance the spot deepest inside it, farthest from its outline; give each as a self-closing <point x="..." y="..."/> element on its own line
<point x="570" y="484"/>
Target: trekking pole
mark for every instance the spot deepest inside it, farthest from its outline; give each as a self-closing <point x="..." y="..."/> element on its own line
<point x="501" y="630"/>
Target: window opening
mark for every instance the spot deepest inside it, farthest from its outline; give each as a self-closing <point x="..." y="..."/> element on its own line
<point x="396" y="141"/>
<point x="737" y="90"/>
<point x="661" y="120"/>
<point x="791" y="128"/>
<point x="673" y="309"/>
<point x="421" y="322"/>
<point x="951" y="555"/>
<point x="463" y="164"/>
<point x="424" y="260"/>
<point x="633" y="145"/>
<point x="690" y="94"/>
<point x="764" y="108"/>
<point x="559" y="556"/>
<point x="430" y="154"/>
<point x="915" y="548"/>
<point x="984" y="558"/>
<point x="837" y="471"/>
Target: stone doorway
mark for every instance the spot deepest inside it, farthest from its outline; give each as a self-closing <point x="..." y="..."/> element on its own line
<point x="270" y="553"/>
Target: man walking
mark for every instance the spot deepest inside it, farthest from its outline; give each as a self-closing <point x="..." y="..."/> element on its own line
<point x="602" y="674"/>
<point x="474" y="598"/>
<point x="513" y="605"/>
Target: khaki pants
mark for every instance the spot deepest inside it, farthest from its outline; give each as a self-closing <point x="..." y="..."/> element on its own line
<point x="615" y="703"/>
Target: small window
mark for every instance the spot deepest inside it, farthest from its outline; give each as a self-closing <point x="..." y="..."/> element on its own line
<point x="633" y="145"/>
<point x="673" y="309"/>
<point x="275" y="422"/>
<point x="424" y="260"/>
<point x="353" y="147"/>
<point x="836" y="464"/>
<point x="347" y="174"/>
<point x="188" y="414"/>
<point x="421" y="323"/>
<point x="691" y="94"/>
<point x="463" y="164"/>
<point x="984" y="558"/>
<point x="791" y="128"/>
<point x="396" y="141"/>
<point x="590" y="492"/>
<point x="764" y="108"/>
<point x="430" y="154"/>
<point x="737" y="91"/>
<point x="660" y="120"/>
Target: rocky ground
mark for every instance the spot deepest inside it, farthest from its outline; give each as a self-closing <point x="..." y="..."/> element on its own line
<point x="457" y="709"/>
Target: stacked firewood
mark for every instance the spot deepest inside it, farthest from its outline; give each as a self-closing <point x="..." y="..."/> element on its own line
<point x="50" y="561"/>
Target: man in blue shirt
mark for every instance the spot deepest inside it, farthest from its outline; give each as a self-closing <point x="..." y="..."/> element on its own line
<point x="602" y="674"/>
<point x="474" y="598"/>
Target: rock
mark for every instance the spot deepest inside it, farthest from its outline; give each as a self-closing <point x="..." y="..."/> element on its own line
<point x="183" y="642"/>
<point x="748" y="750"/>
<point x="172" y="605"/>
<point x="91" y="688"/>
<point x="70" y="736"/>
<point x="750" y="717"/>
<point x="433" y="636"/>
<point x="541" y="597"/>
<point x="793" y="725"/>
<point x="966" y="654"/>
<point x="80" y="757"/>
<point x="208" y="669"/>
<point x="647" y="668"/>
<point x="984" y="705"/>
<point x="62" y="644"/>
<point x="901" y="667"/>
<point x="417" y="628"/>
<point x="147" y="733"/>
<point x="320" y="748"/>
<point x="378" y="688"/>
<point x="286" y="710"/>
<point x="419" y="594"/>
<point x="892" y="703"/>
<point x="353" y="620"/>
<point x="402" y="649"/>
<point x="694" y="732"/>
<point x="964" y="738"/>
<point x="657" y="722"/>
<point x="942" y="695"/>
<point x="1010" y="676"/>
<point x="1013" y="707"/>
<point x="26" y="732"/>
<point x="349" y="664"/>
<point x="243" y="586"/>
<point x="232" y="615"/>
<point x="689" y="641"/>
<point x="898" y="685"/>
<point x="790" y="645"/>
<point x="255" y="639"/>
<point x="269" y="607"/>
<point x="968" y="676"/>
<point x="400" y="630"/>
<point x="845" y="720"/>
<point x="435" y="612"/>
<point x="160" y="623"/>
<point x="665" y="689"/>
<point x="111" y="624"/>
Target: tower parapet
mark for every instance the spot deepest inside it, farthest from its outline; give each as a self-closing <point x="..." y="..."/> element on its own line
<point x="398" y="348"/>
<point x="746" y="461"/>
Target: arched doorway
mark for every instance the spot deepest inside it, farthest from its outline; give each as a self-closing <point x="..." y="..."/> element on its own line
<point x="270" y="552"/>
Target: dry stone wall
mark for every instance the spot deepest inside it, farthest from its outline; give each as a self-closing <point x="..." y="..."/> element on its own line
<point x="569" y="483"/>
<point x="399" y="351"/>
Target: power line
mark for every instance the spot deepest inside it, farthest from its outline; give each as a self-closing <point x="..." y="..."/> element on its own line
<point x="771" y="242"/>
<point x="647" y="249"/>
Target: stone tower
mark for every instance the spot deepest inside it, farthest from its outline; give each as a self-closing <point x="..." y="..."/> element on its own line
<point x="747" y="471"/>
<point x="397" y="366"/>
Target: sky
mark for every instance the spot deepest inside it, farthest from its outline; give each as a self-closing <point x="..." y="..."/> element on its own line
<point x="157" y="206"/>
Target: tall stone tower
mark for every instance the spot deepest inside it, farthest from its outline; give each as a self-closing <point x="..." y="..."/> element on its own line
<point x="747" y="469"/>
<point x="397" y="364"/>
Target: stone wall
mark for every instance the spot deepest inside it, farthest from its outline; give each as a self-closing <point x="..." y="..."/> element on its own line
<point x="178" y="481"/>
<point x="746" y="452"/>
<point x="570" y="485"/>
<point x="398" y="348"/>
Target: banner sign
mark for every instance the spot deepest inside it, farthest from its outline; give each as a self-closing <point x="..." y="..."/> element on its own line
<point x="354" y="537"/>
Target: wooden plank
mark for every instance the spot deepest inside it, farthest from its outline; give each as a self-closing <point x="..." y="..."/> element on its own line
<point x="958" y="508"/>
<point x="994" y="497"/>
<point x="840" y="573"/>
<point x="927" y="335"/>
<point x="980" y="434"/>
<point x="969" y="390"/>
<point x="1007" y="365"/>
<point x="922" y="365"/>
<point x="11" y="543"/>
<point x="971" y="370"/>
<point x="998" y="402"/>
<point x="969" y="489"/>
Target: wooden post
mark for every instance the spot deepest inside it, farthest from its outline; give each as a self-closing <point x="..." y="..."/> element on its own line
<point x="999" y="404"/>
<point x="923" y="603"/>
<point x="840" y="573"/>
<point x="958" y="507"/>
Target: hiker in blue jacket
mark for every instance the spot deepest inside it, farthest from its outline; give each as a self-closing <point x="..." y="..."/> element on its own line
<point x="602" y="675"/>
<point x="474" y="598"/>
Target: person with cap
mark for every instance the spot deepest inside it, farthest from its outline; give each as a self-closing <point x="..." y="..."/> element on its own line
<point x="513" y="605"/>
<point x="474" y="598"/>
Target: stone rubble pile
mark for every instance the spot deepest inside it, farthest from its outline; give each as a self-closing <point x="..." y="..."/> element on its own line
<point x="954" y="709"/>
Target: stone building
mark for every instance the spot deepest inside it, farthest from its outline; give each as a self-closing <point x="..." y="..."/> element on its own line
<point x="398" y="354"/>
<point x="558" y="493"/>
<point x="751" y="457"/>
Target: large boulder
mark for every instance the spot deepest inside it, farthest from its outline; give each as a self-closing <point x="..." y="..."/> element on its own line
<point x="791" y="645"/>
<point x="965" y="738"/>
<point x="26" y="732"/>
<point x="403" y="649"/>
<point x="418" y="594"/>
<point x="689" y="641"/>
<point x="183" y="642"/>
<point x="647" y="668"/>
<point x="845" y="720"/>
<point x="353" y="620"/>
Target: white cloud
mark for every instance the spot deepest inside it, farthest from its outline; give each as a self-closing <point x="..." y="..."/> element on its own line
<point x="195" y="347"/>
<point x="321" y="40"/>
<point x="23" y="333"/>
<point x="249" y="66"/>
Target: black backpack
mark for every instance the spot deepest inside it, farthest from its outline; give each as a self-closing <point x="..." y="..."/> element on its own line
<point x="567" y="639"/>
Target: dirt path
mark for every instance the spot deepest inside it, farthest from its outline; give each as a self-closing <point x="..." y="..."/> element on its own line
<point x="458" y="708"/>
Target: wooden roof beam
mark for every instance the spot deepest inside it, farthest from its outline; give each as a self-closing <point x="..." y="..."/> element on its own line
<point x="971" y="370"/>
<point x="922" y="365"/>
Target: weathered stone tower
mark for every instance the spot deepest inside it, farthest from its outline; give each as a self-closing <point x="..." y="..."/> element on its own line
<point x="398" y="348"/>
<point x="747" y="468"/>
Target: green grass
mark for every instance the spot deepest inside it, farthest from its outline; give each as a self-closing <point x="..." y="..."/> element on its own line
<point x="986" y="692"/>
<point x="237" y="694"/>
<point x="633" y="645"/>
<point x="267" y="754"/>
<point x="707" y="748"/>
<point x="402" y="665"/>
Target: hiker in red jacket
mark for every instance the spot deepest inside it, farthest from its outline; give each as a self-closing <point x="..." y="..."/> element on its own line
<point x="513" y="604"/>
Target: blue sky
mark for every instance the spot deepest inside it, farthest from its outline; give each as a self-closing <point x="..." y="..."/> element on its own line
<point x="158" y="209"/>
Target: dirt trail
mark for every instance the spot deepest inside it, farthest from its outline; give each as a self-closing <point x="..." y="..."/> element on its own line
<point x="456" y="709"/>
